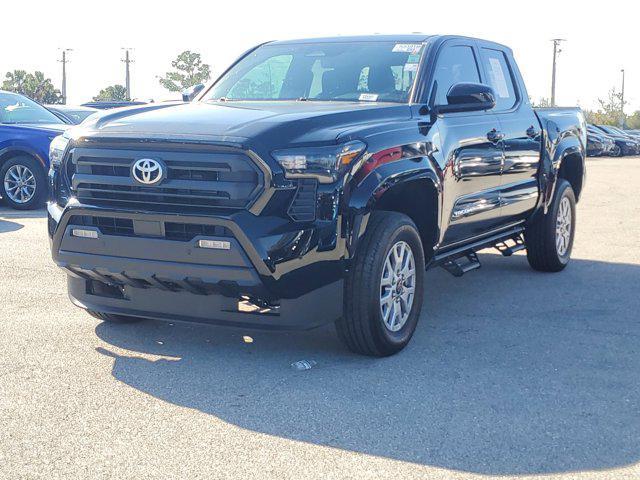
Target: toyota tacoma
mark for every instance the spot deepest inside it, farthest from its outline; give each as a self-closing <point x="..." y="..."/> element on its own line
<point x="316" y="181"/>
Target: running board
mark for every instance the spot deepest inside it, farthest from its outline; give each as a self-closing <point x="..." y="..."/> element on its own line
<point x="461" y="265"/>
<point x="461" y="260"/>
<point x="507" y="250"/>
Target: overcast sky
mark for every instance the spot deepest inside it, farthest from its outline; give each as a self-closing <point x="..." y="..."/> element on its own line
<point x="600" y="41"/>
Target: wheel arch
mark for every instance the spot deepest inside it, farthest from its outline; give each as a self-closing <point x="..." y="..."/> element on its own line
<point x="419" y="198"/>
<point x="567" y="161"/>
<point x="8" y="153"/>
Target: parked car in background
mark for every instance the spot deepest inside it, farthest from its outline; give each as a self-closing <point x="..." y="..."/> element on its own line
<point x="596" y="145"/>
<point x="632" y="133"/>
<point x="610" y="147"/>
<point x="73" y="114"/>
<point x="26" y="131"/>
<point x="627" y="144"/>
<point x="115" y="104"/>
<point x="314" y="182"/>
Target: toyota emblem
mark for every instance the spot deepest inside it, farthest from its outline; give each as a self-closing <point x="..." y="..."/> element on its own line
<point x="147" y="171"/>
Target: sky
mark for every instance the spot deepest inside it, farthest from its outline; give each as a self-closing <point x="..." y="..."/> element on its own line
<point x="599" y="40"/>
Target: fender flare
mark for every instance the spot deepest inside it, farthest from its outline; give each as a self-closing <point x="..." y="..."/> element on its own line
<point x="570" y="145"/>
<point x="364" y="197"/>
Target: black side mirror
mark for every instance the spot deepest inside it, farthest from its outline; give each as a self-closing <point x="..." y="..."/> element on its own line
<point x="468" y="97"/>
<point x="190" y="93"/>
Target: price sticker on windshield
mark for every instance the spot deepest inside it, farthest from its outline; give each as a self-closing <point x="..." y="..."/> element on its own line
<point x="407" y="47"/>
<point x="368" y="97"/>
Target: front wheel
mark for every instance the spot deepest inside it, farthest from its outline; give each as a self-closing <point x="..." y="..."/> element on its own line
<point x="549" y="239"/>
<point x="384" y="288"/>
<point x="23" y="184"/>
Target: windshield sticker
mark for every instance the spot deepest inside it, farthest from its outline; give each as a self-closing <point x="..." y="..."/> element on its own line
<point x="498" y="79"/>
<point x="407" y="47"/>
<point x="411" y="67"/>
<point x="368" y="97"/>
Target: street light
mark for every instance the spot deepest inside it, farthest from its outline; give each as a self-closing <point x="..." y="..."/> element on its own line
<point x="64" y="62"/>
<point x="556" y="51"/>
<point x="622" y="101"/>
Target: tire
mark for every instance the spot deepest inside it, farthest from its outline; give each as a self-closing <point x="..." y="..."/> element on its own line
<point x="111" y="318"/>
<point x="33" y="193"/>
<point x="545" y="251"/>
<point x="363" y="328"/>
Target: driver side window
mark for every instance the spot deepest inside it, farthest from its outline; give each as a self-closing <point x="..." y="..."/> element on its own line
<point x="455" y="64"/>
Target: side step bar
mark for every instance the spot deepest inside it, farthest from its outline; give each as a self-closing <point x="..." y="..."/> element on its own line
<point x="461" y="265"/>
<point x="461" y="260"/>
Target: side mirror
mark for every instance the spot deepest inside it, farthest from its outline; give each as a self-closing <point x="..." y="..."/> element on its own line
<point x="468" y="97"/>
<point x="190" y="93"/>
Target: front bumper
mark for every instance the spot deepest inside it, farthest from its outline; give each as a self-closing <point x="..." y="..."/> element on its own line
<point x="275" y="273"/>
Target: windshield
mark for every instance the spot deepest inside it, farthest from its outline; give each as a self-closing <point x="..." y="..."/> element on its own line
<point x="354" y="71"/>
<point x="18" y="109"/>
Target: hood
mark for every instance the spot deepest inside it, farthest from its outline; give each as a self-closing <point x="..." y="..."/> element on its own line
<point x="51" y="128"/>
<point x="269" y="123"/>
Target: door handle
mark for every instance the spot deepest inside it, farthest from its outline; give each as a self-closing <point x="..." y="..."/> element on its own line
<point x="494" y="136"/>
<point x="532" y="132"/>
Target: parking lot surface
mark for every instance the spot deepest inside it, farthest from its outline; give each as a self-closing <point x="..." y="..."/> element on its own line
<point x="511" y="373"/>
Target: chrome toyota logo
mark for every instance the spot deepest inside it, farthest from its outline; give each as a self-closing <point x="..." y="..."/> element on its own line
<point x="147" y="171"/>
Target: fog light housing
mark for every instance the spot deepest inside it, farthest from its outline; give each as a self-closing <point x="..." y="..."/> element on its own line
<point x="214" y="244"/>
<point x="83" y="233"/>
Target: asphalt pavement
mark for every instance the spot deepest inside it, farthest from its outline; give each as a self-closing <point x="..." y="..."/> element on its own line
<point x="511" y="373"/>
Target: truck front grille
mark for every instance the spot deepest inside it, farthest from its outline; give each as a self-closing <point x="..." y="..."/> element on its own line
<point x="180" y="232"/>
<point x="197" y="179"/>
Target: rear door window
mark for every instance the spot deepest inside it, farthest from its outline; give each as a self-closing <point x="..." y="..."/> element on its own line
<point x="500" y="78"/>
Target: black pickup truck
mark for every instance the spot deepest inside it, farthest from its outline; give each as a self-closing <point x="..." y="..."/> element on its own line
<point x="316" y="181"/>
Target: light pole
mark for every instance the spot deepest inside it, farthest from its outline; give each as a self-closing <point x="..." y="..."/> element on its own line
<point x="622" y="101"/>
<point x="556" y="51"/>
<point x="64" y="62"/>
<point x="127" y="61"/>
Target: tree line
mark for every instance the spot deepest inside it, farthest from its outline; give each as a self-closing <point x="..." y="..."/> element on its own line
<point x="187" y="70"/>
<point x="608" y="112"/>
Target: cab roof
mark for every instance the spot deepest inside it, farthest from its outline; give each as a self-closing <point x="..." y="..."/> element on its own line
<point x="415" y="37"/>
<point x="406" y="38"/>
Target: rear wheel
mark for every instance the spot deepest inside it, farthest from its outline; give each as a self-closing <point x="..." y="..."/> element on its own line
<point x="23" y="184"/>
<point x="109" y="317"/>
<point x="384" y="288"/>
<point x="549" y="239"/>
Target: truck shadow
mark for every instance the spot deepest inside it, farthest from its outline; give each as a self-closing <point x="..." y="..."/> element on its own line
<point x="8" y="217"/>
<point x="8" y="226"/>
<point x="510" y="372"/>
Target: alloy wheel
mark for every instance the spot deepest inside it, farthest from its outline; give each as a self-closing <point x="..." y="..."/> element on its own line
<point x="397" y="286"/>
<point x="563" y="227"/>
<point x="19" y="184"/>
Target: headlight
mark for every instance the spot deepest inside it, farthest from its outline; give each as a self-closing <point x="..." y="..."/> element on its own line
<point x="57" y="149"/>
<point x="323" y="163"/>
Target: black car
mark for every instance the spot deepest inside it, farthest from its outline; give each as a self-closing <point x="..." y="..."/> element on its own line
<point x="596" y="144"/>
<point x="314" y="182"/>
<point x="609" y="146"/>
<point x="71" y="114"/>
<point x="108" y="104"/>
<point x="626" y="144"/>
